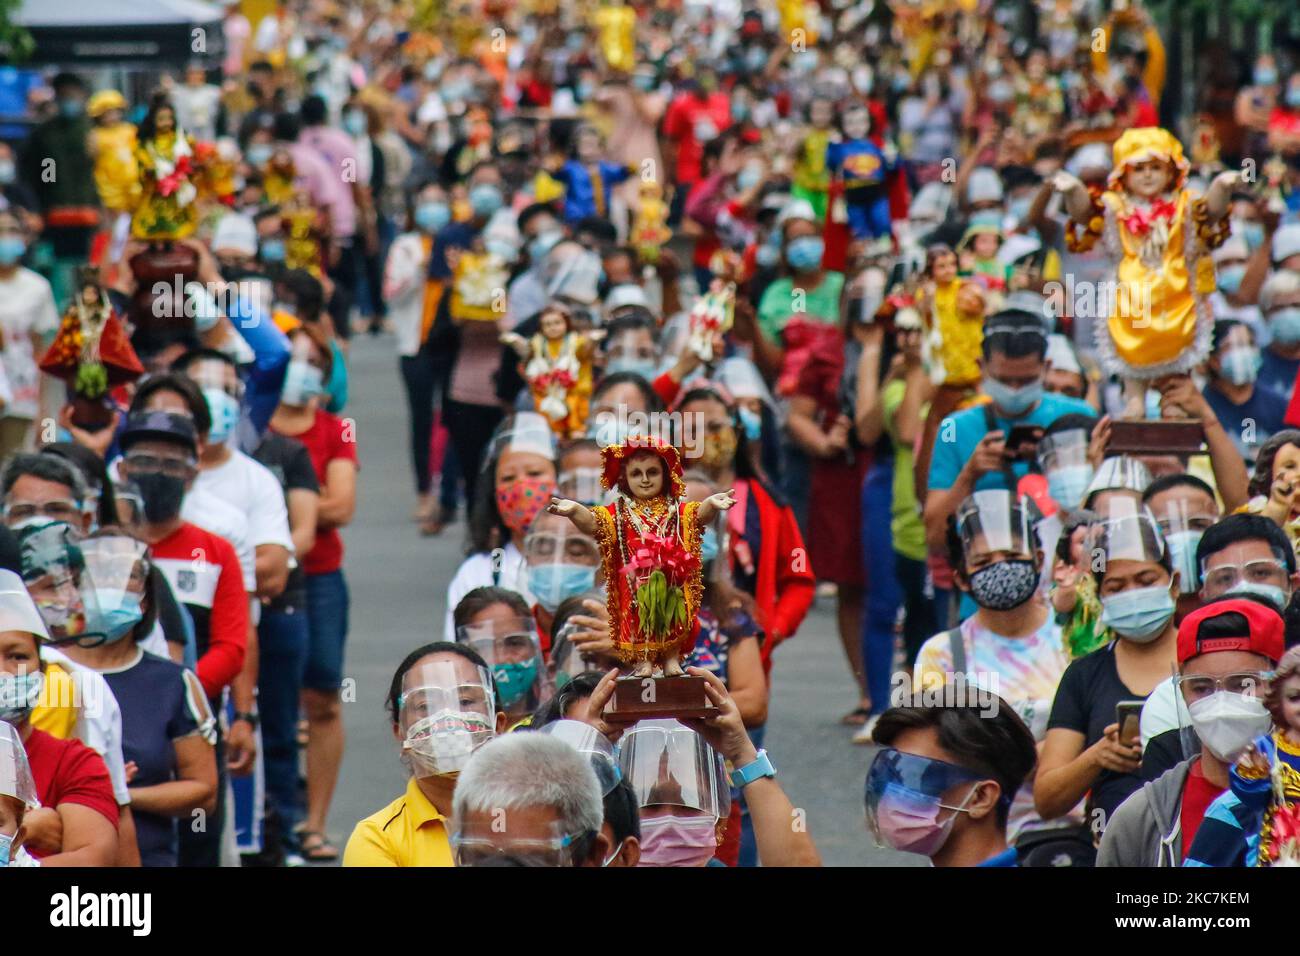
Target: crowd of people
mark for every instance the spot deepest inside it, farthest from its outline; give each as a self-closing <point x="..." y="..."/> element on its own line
<point x="848" y="269"/>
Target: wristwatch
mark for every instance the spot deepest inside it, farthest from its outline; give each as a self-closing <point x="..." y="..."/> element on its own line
<point x="249" y="717"/>
<point x="760" y="766"/>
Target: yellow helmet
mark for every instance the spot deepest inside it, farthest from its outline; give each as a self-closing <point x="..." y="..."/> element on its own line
<point x="103" y="101"/>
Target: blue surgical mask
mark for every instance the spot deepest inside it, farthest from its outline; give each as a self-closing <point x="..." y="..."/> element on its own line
<point x="805" y="253"/>
<point x="432" y="216"/>
<point x="1270" y="592"/>
<point x="18" y="695"/>
<point x="739" y="111"/>
<point x="1285" y="325"/>
<point x="224" y="409"/>
<point x="1138" y="614"/>
<point x="271" y="250"/>
<point x="514" y="680"/>
<point x="1240" y="365"/>
<point x="1251" y="231"/>
<point x="647" y="368"/>
<point x="302" y="380"/>
<point x="6" y="849"/>
<point x="354" y="121"/>
<point x="8" y="172"/>
<point x="1013" y="401"/>
<point x="748" y="177"/>
<point x="71" y="107"/>
<point x="1068" y="484"/>
<point x="485" y="199"/>
<point x="709" y="544"/>
<point x="119" y="612"/>
<point x="1265" y="76"/>
<point x="1229" y="279"/>
<point x="1182" y="555"/>
<point x="551" y="584"/>
<point x="751" y="422"/>
<point x="543" y="243"/>
<point x="12" y="249"/>
<point x="259" y="154"/>
<point x="1293" y="97"/>
<point x="767" y="255"/>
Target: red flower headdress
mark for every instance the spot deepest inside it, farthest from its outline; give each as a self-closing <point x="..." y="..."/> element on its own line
<point x="613" y="459"/>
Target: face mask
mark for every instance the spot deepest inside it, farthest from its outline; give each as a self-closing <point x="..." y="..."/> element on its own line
<point x="1293" y="97"/>
<point x="1228" y="722"/>
<point x="442" y="743"/>
<point x="552" y="584"/>
<point x="1240" y="365"/>
<point x="224" y="409"/>
<point x="1265" y="76"/>
<point x="543" y="243"/>
<point x="1002" y="586"/>
<point x="501" y="250"/>
<point x="302" y="380"/>
<point x="6" y="849"/>
<point x="485" y="199"/>
<point x="259" y="154"/>
<point x="767" y="256"/>
<point x="1068" y="484"/>
<point x="271" y="250"/>
<point x="740" y="113"/>
<point x="709" y="544"/>
<point x="909" y="821"/>
<point x="748" y="178"/>
<point x="1182" y="554"/>
<point x="805" y="253"/>
<point x="7" y="172"/>
<point x="18" y="695"/>
<point x="162" y="495"/>
<point x="119" y="612"/>
<point x="644" y="83"/>
<point x="1013" y="401"/>
<point x="1229" y="279"/>
<point x="1285" y="324"/>
<point x="355" y="123"/>
<point x="1139" y="614"/>
<point x="584" y="91"/>
<point x="755" y="58"/>
<point x="514" y="680"/>
<point x="751" y="421"/>
<point x="521" y="501"/>
<point x="71" y="108"/>
<point x="719" y="449"/>
<point x="1251" y="231"/>
<point x="1271" y="592"/>
<point x="646" y="369"/>
<point x="432" y="216"/>
<point x="11" y="249"/>
<point x="678" y="841"/>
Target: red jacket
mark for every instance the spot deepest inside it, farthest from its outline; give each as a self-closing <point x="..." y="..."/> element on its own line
<point x="785" y="582"/>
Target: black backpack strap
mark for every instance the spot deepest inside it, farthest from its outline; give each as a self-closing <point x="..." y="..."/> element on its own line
<point x="958" y="647"/>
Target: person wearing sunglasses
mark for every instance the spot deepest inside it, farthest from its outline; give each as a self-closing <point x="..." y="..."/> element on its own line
<point x="1226" y="652"/>
<point x="942" y="784"/>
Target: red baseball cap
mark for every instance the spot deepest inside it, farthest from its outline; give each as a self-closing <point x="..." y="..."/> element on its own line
<point x="1263" y="634"/>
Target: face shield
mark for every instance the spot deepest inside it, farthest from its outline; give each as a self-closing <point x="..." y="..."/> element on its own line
<point x="1063" y="456"/>
<point x="1182" y="526"/>
<point x="581" y="485"/>
<point x="54" y="572"/>
<point x="992" y="522"/>
<point x="523" y="431"/>
<point x="118" y="566"/>
<point x="905" y="797"/>
<point x="1120" y="473"/>
<point x="576" y="277"/>
<point x="223" y="391"/>
<point x="567" y="660"/>
<point x="16" y="779"/>
<point x="739" y="377"/>
<point x="593" y="745"/>
<point x="303" y="379"/>
<point x="668" y="764"/>
<point x="511" y="650"/>
<point x="445" y="713"/>
<point x="561" y="560"/>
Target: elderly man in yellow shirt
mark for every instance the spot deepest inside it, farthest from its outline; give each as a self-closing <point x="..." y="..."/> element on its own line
<point x="443" y="704"/>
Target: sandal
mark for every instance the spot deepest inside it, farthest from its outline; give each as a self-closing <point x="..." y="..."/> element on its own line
<point x="856" y="718"/>
<point x="434" y="522"/>
<point x="316" y="847"/>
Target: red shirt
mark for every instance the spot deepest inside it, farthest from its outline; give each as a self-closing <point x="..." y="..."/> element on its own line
<point x="679" y="126"/>
<point x="1198" y="794"/>
<point x="67" y="771"/>
<point x="329" y="438"/>
<point x="203" y="571"/>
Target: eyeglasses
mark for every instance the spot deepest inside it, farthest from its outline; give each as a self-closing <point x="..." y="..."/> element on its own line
<point x="1224" y="577"/>
<point x="59" y="510"/>
<point x="1198" y="686"/>
<point x="555" y="852"/>
<point x="1188" y="523"/>
<point x="172" y="467"/>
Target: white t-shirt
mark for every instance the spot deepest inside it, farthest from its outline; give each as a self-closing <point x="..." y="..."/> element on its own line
<point x="26" y="307"/>
<point x="1162" y="711"/>
<point x="476" y="572"/>
<point x="99" y="718"/>
<point x="250" y="486"/>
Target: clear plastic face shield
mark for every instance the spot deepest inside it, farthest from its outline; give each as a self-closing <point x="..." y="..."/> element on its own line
<point x="1063" y="456"/>
<point x="739" y="377"/>
<point x="1252" y="567"/>
<point x="16" y="779"/>
<point x="993" y="526"/>
<point x="568" y="662"/>
<point x="581" y="485"/>
<point x="445" y="713"/>
<point x="1182" y="523"/>
<point x="223" y="391"/>
<point x="593" y="745"/>
<point x="510" y="647"/>
<point x="905" y="793"/>
<point x="1125" y="535"/>
<point x="562" y="561"/>
<point x="118" y="566"/>
<point x="1120" y="473"/>
<point x="479" y="843"/>
<point x="55" y="574"/>
<point x="523" y="432"/>
<point x="668" y="764"/>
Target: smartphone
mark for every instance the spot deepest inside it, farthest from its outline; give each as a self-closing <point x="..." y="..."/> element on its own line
<point x="1128" y="714"/>
<point x="1022" y="441"/>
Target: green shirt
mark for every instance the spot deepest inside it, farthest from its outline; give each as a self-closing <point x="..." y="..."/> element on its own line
<point x="779" y="303"/>
<point x="905" y="524"/>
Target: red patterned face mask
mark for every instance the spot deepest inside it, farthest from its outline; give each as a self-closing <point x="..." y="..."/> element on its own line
<point x="523" y="500"/>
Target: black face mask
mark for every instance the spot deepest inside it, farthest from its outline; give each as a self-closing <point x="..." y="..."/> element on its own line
<point x="162" y="495"/>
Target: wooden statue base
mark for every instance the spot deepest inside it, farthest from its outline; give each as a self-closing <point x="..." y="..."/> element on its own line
<point x="1156" y="437"/>
<point x="642" y="698"/>
<point x="91" y="414"/>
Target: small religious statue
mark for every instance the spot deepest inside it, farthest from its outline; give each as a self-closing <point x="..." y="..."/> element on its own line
<point x="169" y="176"/>
<point x="616" y="23"/>
<point x="711" y="315"/>
<point x="557" y="367"/>
<point x="92" y="353"/>
<point x="1159" y="235"/>
<point x="1266" y="777"/>
<point x="1275" y="483"/>
<point x="305" y="232"/>
<point x="650" y="540"/>
<point x="650" y="230"/>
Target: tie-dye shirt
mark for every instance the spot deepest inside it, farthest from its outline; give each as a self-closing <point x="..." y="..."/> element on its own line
<point x="1023" y="671"/>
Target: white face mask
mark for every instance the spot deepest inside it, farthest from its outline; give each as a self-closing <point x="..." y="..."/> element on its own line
<point x="1228" y="722"/>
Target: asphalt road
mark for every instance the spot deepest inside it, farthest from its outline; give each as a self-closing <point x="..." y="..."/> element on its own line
<point x="398" y="584"/>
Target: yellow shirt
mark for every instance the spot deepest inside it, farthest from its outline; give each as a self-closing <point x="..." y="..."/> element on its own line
<point x="408" y="832"/>
<point x="56" y="711"/>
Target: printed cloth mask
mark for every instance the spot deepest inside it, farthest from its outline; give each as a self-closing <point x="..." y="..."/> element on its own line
<point x="443" y="742"/>
<point x="1002" y="586"/>
<point x="521" y="501"/>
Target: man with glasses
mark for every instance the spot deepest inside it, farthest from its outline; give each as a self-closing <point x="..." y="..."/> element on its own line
<point x="1226" y="651"/>
<point x="528" y="799"/>
<point x="160" y="457"/>
<point x="44" y="488"/>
